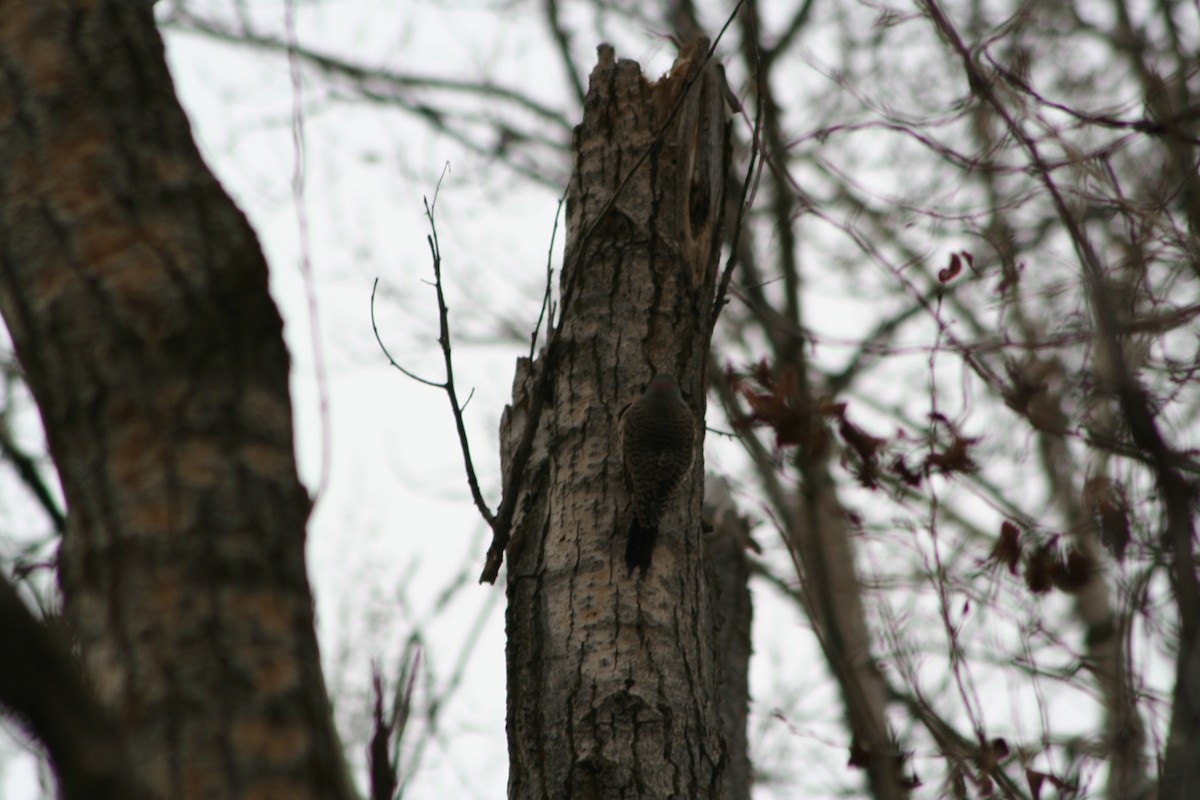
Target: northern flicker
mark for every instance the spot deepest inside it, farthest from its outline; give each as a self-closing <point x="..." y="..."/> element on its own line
<point x="658" y="442"/>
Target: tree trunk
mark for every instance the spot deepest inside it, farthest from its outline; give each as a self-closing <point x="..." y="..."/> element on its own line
<point x="136" y="296"/>
<point x="823" y="543"/>
<point x="612" y="677"/>
<point x="727" y="542"/>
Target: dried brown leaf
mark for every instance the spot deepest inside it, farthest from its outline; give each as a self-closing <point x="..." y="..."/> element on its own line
<point x="1007" y="550"/>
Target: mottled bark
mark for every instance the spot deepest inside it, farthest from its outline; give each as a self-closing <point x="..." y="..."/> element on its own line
<point x="136" y="296"/>
<point x="612" y="678"/>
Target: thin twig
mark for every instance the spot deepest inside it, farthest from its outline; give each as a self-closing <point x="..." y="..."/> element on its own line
<point x="387" y="354"/>
<point x="444" y="341"/>
<point x="753" y="174"/>
<point x="546" y="309"/>
<point x="1175" y="493"/>
<point x="183" y="19"/>
<point x="28" y="472"/>
<point x="502" y="525"/>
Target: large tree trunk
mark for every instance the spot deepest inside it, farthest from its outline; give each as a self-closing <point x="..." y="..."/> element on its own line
<point x="136" y="296"/>
<point x="612" y="677"/>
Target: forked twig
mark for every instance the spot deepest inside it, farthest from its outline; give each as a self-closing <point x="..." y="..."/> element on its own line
<point x="444" y="340"/>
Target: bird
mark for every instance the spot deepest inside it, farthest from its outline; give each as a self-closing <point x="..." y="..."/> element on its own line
<point x="658" y="443"/>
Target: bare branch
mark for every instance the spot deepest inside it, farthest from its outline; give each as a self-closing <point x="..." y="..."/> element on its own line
<point x="28" y="472"/>
<point x="406" y="91"/>
<point x="380" y="767"/>
<point x="749" y="183"/>
<point x="546" y="308"/>
<point x="563" y="40"/>
<point x="451" y="392"/>
<point x="1182" y="767"/>
<point x="41" y="686"/>
<point x="388" y="355"/>
<point x="380" y="83"/>
<point x="794" y="27"/>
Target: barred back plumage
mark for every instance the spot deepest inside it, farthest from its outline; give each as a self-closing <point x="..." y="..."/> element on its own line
<point x="658" y="440"/>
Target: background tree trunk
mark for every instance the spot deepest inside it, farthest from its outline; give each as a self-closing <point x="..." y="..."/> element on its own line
<point x="728" y="541"/>
<point x="612" y="678"/>
<point x="136" y="296"/>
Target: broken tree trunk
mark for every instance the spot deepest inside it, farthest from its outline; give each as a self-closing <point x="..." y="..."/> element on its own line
<point x="612" y="677"/>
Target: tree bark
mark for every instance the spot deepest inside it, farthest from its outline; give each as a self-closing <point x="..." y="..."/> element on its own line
<point x="136" y="296"/>
<point x="612" y="678"/>
<point x="727" y="541"/>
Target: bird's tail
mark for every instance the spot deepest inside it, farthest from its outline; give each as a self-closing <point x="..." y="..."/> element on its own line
<point x="641" y="545"/>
